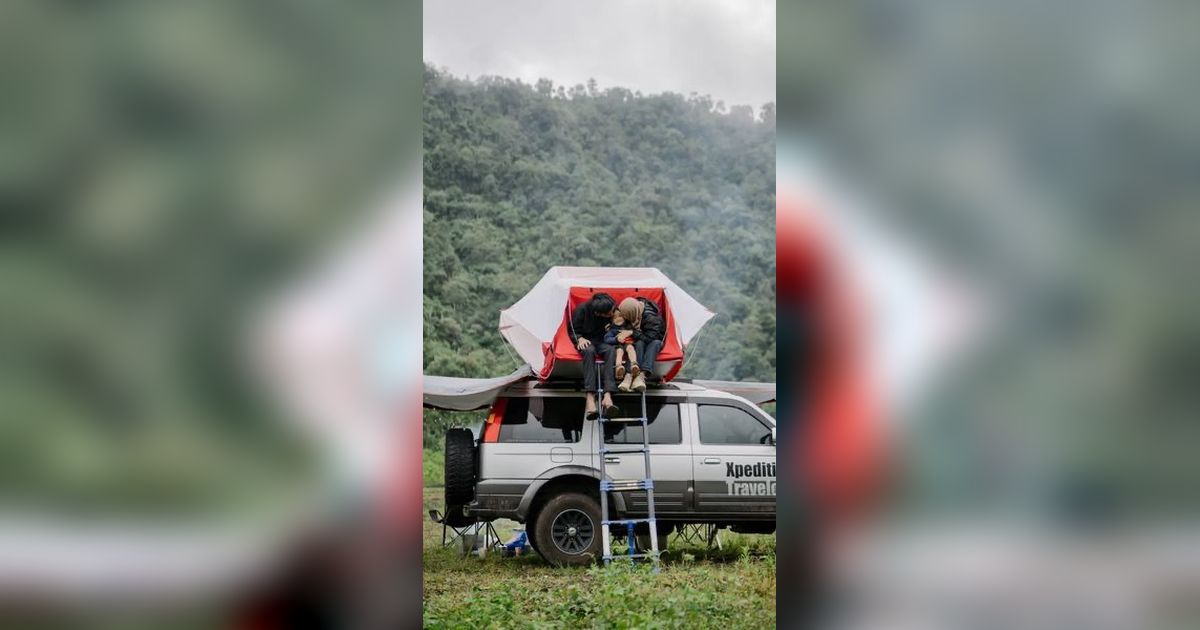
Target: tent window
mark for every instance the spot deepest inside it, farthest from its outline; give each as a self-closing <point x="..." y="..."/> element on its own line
<point x="542" y="420"/>
<point x="664" y="422"/>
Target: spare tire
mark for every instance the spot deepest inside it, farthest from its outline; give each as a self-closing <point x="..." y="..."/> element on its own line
<point x="459" y="474"/>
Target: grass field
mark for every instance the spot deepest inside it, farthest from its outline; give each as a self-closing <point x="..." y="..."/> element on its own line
<point x="697" y="588"/>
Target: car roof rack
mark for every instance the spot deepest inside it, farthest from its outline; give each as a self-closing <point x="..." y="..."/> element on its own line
<point x="574" y="384"/>
<point x="577" y="385"/>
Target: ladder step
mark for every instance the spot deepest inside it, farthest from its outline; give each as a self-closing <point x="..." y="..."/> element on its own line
<point x="623" y="521"/>
<point x="626" y="485"/>
<point x="624" y="451"/>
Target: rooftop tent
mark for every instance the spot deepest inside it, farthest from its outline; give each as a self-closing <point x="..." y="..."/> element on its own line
<point x="536" y="326"/>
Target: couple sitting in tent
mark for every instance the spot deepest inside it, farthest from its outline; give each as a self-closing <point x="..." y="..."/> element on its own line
<point x="622" y="335"/>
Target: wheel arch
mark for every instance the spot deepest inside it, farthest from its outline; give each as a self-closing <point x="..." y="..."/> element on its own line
<point x="575" y="478"/>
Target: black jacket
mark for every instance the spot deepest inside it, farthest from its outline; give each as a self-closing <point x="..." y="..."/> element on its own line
<point x="652" y="323"/>
<point x="586" y="324"/>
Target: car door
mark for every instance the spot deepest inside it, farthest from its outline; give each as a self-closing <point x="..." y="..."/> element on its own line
<point x="733" y="460"/>
<point x="670" y="453"/>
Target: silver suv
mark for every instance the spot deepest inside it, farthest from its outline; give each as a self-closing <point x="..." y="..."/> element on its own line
<point x="535" y="461"/>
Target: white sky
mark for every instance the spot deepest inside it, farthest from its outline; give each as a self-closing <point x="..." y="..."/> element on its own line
<point x="725" y="48"/>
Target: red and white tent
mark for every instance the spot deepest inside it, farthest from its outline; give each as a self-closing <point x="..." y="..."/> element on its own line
<point x="536" y="326"/>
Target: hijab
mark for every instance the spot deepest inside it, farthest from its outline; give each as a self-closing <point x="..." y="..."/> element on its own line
<point x="631" y="309"/>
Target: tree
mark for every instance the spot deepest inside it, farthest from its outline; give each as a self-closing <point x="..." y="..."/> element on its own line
<point x="520" y="178"/>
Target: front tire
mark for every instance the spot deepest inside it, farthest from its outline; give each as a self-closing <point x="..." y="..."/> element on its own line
<point x="568" y="530"/>
<point x="531" y="533"/>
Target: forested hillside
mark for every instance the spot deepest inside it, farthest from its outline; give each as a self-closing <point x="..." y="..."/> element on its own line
<point x="519" y="178"/>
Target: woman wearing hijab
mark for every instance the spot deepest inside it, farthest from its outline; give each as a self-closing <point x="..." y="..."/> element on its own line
<point x="649" y="331"/>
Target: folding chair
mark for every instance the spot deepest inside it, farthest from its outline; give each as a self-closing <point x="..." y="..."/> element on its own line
<point x="437" y="517"/>
<point x="491" y="539"/>
<point x="700" y="534"/>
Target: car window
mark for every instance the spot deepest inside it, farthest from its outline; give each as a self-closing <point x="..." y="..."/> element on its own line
<point x="664" y="422"/>
<point x="542" y="420"/>
<point x="729" y="425"/>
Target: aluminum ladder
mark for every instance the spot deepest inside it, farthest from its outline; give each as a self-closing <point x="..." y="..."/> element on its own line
<point x="625" y="485"/>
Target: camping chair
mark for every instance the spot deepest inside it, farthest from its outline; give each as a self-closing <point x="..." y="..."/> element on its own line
<point x="700" y="534"/>
<point x="491" y="539"/>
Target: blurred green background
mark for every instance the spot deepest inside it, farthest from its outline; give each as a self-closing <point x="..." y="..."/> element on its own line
<point x="163" y="166"/>
<point x="1047" y="152"/>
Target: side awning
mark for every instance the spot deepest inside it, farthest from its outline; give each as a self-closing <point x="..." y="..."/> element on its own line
<point x="453" y="393"/>
<point x="757" y="393"/>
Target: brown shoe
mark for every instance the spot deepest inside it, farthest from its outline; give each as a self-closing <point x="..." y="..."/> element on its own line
<point x="635" y="370"/>
<point x="639" y="383"/>
<point x="620" y="372"/>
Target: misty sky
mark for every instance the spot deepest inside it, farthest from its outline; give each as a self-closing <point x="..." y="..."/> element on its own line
<point x="725" y="48"/>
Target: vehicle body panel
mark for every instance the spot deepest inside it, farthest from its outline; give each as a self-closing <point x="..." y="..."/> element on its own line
<point x="511" y="474"/>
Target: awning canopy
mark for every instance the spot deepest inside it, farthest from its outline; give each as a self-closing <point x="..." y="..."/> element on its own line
<point x="466" y="394"/>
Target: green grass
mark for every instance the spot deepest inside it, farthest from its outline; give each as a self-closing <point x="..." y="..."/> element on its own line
<point x="434" y="464"/>
<point x="697" y="587"/>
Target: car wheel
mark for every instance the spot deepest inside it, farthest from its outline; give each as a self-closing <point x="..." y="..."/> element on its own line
<point x="459" y="475"/>
<point x="456" y="518"/>
<point x="568" y="530"/>
<point x="533" y="539"/>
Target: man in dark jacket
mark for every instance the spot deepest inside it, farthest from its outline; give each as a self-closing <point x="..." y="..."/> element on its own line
<point x="588" y="323"/>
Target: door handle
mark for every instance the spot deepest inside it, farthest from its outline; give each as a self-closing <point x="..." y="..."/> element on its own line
<point x="609" y="459"/>
<point x="712" y="460"/>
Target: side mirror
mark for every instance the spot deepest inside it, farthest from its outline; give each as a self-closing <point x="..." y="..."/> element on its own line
<point x="772" y="435"/>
